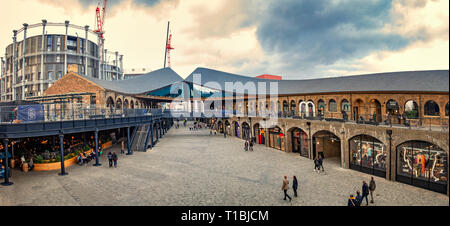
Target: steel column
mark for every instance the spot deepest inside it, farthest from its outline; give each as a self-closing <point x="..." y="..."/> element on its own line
<point x="61" y="147"/>
<point x="65" y="46"/>
<point x="6" y="182"/>
<point x="129" y="141"/>
<point x="96" y="148"/>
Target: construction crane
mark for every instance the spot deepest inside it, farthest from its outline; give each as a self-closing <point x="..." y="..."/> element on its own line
<point x="168" y="46"/>
<point x="100" y="18"/>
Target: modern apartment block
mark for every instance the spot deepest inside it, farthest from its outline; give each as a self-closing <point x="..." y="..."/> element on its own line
<point x="30" y="67"/>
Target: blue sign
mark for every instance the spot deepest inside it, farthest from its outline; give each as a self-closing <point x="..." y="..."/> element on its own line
<point x="30" y="113"/>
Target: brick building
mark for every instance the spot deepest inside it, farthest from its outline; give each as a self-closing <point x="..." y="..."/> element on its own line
<point x="393" y="125"/>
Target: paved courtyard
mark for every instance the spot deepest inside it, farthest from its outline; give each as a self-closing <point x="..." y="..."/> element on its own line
<point x="193" y="168"/>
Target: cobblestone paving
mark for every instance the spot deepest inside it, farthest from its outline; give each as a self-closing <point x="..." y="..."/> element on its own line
<point x="193" y="168"/>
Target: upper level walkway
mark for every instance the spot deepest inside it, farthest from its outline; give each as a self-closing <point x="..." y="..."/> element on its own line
<point x="35" y="122"/>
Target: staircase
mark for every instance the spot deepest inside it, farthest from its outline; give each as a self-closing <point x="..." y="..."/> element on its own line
<point x="140" y="137"/>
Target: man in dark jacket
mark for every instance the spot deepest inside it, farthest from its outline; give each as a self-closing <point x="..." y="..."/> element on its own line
<point x="352" y="201"/>
<point x="372" y="187"/>
<point x="110" y="159"/>
<point x="358" y="198"/>
<point x="365" y="192"/>
<point x="295" y="185"/>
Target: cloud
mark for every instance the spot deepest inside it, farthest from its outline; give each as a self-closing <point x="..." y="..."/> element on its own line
<point x="311" y="33"/>
<point x="156" y="8"/>
<point x="222" y="18"/>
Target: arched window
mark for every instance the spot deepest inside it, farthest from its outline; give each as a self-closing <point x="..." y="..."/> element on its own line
<point x="431" y="108"/>
<point x="392" y="107"/>
<point x="412" y="109"/>
<point x="345" y="105"/>
<point x="446" y="109"/>
<point x="285" y="107"/>
<point x="321" y="106"/>
<point x="332" y="106"/>
<point x="302" y="107"/>
<point x="293" y="106"/>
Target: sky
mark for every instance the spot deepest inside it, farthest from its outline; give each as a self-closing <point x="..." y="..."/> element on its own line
<point x="297" y="39"/>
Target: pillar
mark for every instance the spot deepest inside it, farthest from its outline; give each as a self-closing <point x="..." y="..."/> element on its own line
<point x="14" y="76"/>
<point x="96" y="148"/>
<point x="104" y="69"/>
<point x="41" y="78"/>
<point x="116" y="64"/>
<point x="65" y="47"/>
<point x="121" y="66"/>
<point x="61" y="147"/>
<point x="129" y="142"/>
<point x="157" y="131"/>
<point x="151" y="134"/>
<point x="86" y="50"/>
<point x="99" y="47"/>
<point x="6" y="182"/>
<point x="25" y="26"/>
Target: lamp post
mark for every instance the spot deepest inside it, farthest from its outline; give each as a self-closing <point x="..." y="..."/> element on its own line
<point x="309" y="137"/>
<point x="389" y="133"/>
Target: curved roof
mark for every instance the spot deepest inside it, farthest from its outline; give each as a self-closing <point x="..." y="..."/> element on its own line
<point x="141" y="84"/>
<point x="422" y="81"/>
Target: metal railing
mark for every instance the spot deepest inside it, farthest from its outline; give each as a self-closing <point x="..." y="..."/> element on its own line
<point x="13" y="114"/>
<point x="431" y="123"/>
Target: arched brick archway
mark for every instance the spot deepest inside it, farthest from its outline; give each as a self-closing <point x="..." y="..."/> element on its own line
<point x="110" y="103"/>
<point x="298" y="141"/>
<point x="326" y="144"/>
<point x="119" y="103"/>
<point x="126" y="104"/>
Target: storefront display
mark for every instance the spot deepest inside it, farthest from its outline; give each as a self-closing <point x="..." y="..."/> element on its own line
<point x="368" y="155"/>
<point x="422" y="164"/>
<point x="300" y="142"/>
<point x="276" y="138"/>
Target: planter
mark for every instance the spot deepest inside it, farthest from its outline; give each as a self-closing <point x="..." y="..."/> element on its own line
<point x="106" y="145"/>
<point x="56" y="165"/>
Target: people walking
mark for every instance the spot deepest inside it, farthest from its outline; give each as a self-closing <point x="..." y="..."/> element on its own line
<point x="372" y="187"/>
<point x="295" y="185"/>
<point x="285" y="188"/>
<point x="122" y="149"/>
<point x="251" y="145"/>
<point x="246" y="145"/>
<point x="316" y="164"/>
<point x="358" y="198"/>
<point x="110" y="159"/>
<point x="352" y="201"/>
<point x="114" y="156"/>
<point x="365" y="192"/>
<point x="320" y="161"/>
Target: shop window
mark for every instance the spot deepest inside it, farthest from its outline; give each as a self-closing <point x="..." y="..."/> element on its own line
<point x="431" y="108"/>
<point x="412" y="109"/>
<point x="367" y="154"/>
<point x="422" y="164"/>
<point x="332" y="106"/>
